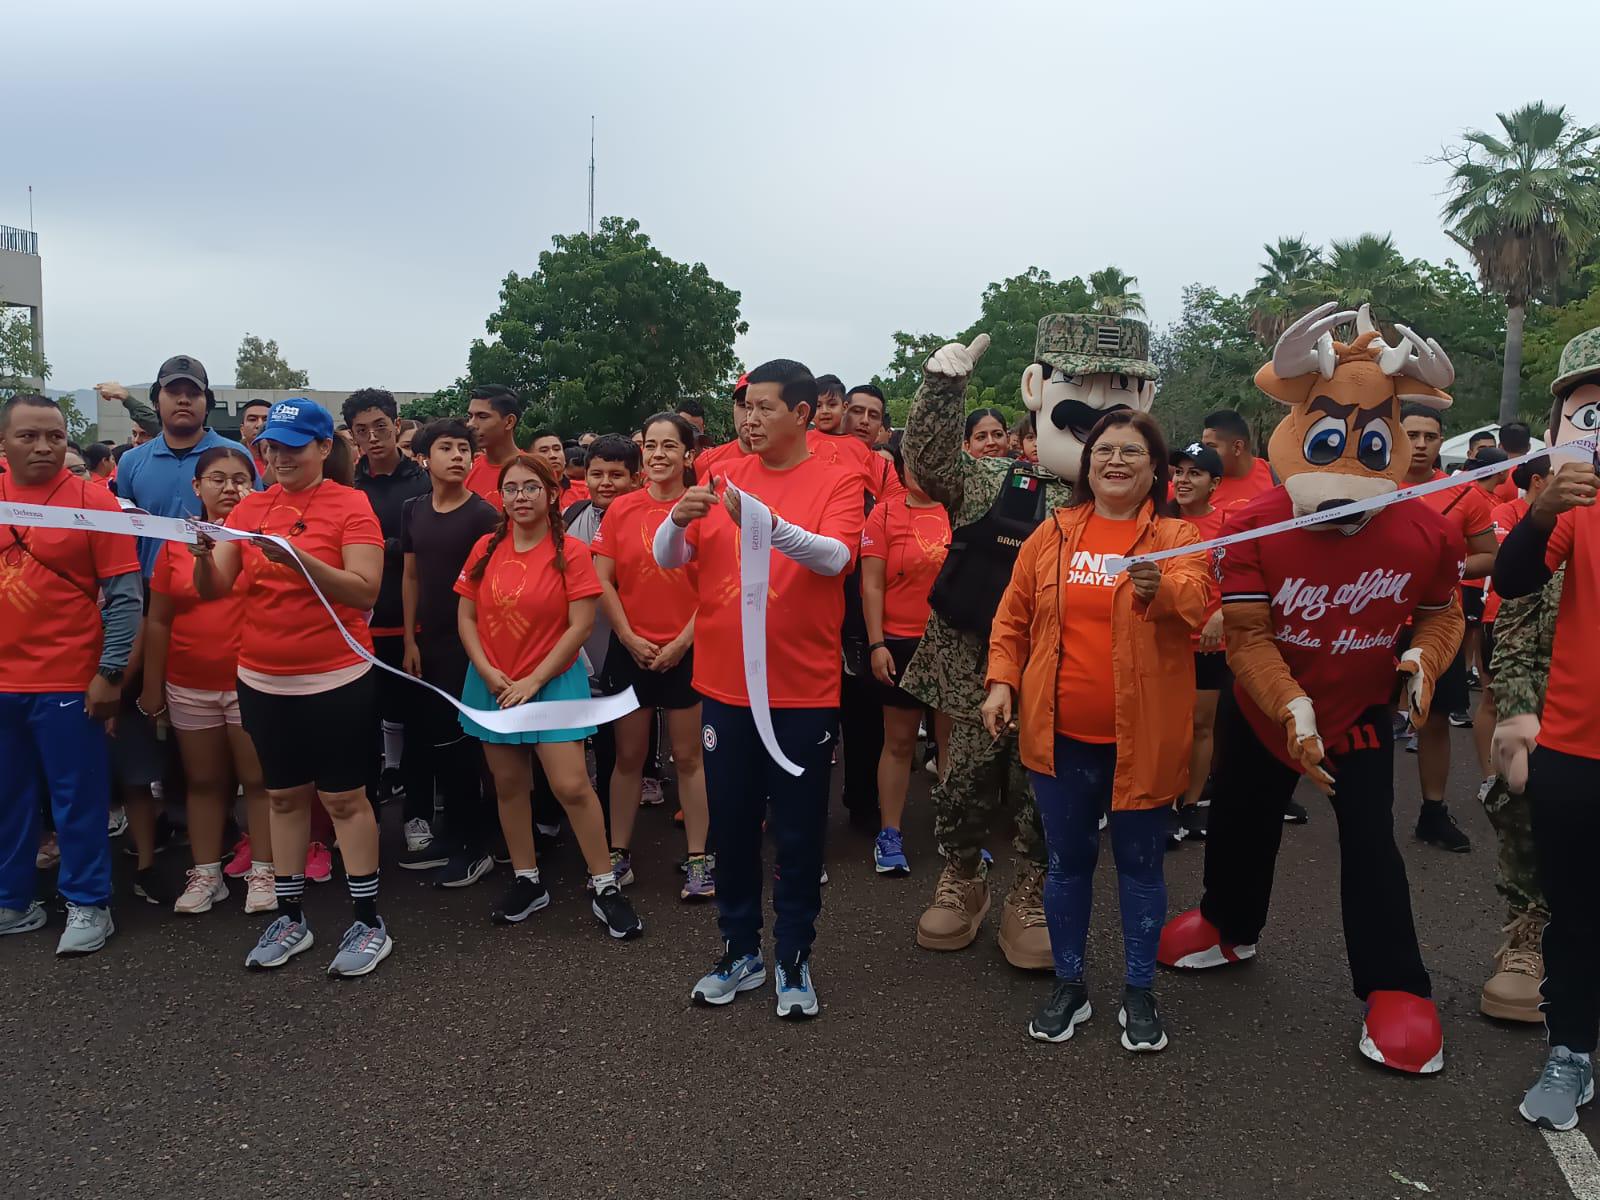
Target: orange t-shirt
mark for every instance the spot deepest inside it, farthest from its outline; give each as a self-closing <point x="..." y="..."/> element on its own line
<point x="50" y="631"/>
<point x="1209" y="527"/>
<point x="804" y="610"/>
<point x="1236" y="493"/>
<point x="658" y="602"/>
<point x="1467" y="507"/>
<point x="1570" y="721"/>
<point x="575" y="490"/>
<point x="1506" y="490"/>
<point x="836" y="450"/>
<point x="913" y="543"/>
<point x="1506" y="518"/>
<point x="203" y="652"/>
<point x="522" y="599"/>
<point x="717" y="459"/>
<point x="484" y="480"/>
<point x="286" y="629"/>
<point x="1086" y="706"/>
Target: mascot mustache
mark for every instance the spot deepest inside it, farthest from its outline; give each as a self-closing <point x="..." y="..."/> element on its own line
<point x="1078" y="418"/>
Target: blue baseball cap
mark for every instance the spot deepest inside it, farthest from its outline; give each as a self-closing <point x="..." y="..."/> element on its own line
<point x="297" y="422"/>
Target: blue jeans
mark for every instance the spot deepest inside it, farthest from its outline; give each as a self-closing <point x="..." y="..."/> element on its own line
<point x="1070" y="804"/>
<point x="744" y="787"/>
<point x="49" y="744"/>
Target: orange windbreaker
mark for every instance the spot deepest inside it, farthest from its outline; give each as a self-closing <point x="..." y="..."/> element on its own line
<point x="1151" y="654"/>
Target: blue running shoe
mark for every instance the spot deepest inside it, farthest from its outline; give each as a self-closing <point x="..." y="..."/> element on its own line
<point x="734" y="973"/>
<point x="889" y="854"/>
<point x="283" y="939"/>
<point x="363" y="948"/>
<point x="796" y="995"/>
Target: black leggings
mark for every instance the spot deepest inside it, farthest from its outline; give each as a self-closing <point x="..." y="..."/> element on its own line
<point x="1246" y="826"/>
<point x="1565" y="793"/>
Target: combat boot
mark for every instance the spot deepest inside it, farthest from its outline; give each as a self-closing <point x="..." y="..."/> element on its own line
<point x="1024" y="937"/>
<point x="960" y="902"/>
<point x="1512" y="993"/>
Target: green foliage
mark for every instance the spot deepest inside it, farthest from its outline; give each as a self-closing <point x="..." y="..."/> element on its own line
<point x="260" y="365"/>
<point x="1114" y="295"/>
<point x="20" y="365"/>
<point x="1470" y="324"/>
<point x="1542" y="351"/>
<point x="446" y="402"/>
<point x="1208" y="359"/>
<point x="609" y="330"/>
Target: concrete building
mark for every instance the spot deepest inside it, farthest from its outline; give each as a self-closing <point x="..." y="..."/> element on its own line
<point x="117" y="426"/>
<point x="22" y="281"/>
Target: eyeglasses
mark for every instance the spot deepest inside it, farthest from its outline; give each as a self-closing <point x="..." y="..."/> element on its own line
<point x="371" y="433"/>
<point x="242" y="482"/>
<point x="513" y="490"/>
<point x="1128" y="454"/>
<point x="79" y="470"/>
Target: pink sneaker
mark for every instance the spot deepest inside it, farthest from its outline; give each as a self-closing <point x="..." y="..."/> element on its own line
<point x="238" y="865"/>
<point x="261" y="892"/>
<point x="200" y="892"/>
<point x="319" y="863"/>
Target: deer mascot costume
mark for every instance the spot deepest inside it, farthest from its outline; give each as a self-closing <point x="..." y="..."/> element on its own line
<point x="1312" y="616"/>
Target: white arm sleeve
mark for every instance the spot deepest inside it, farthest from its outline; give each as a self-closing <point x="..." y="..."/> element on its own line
<point x="824" y="555"/>
<point x="672" y="547"/>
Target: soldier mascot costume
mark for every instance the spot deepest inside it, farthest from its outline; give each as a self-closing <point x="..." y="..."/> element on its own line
<point x="1084" y="366"/>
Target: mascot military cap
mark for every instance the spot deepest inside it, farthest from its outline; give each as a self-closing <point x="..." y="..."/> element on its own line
<point x="1580" y="363"/>
<point x="1089" y="344"/>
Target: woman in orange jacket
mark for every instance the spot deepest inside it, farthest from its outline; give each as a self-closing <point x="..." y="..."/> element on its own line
<point x="1097" y="665"/>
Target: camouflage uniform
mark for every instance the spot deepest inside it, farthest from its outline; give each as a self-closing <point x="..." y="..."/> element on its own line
<point x="947" y="672"/>
<point x="143" y="414"/>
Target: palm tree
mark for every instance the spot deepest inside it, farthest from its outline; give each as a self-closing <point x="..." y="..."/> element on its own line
<point x="1369" y="270"/>
<point x="1525" y="202"/>
<point x="1113" y="293"/>
<point x="1282" y="290"/>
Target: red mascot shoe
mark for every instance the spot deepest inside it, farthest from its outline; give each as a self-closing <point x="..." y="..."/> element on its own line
<point x="1191" y="941"/>
<point x="1401" y="1031"/>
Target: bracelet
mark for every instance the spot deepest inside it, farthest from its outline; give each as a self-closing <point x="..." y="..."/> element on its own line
<point x="877" y="646"/>
<point x="149" y="716"/>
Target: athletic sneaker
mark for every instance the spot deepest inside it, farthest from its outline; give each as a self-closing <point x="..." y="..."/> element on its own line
<point x="1474" y="680"/>
<point x="1175" y="831"/>
<point x="700" y="881"/>
<point x="1400" y="723"/>
<point x="614" y="911"/>
<point x="261" y="890"/>
<point x="390" y="786"/>
<point x="363" y="948"/>
<point x="1067" y="1008"/>
<point x="201" y="890"/>
<point x="149" y="887"/>
<point x="824" y="878"/>
<point x="166" y="837"/>
<point x="239" y="861"/>
<point x="1193" y="820"/>
<point x="797" y="997"/>
<point x="540" y="831"/>
<point x="1141" y="1023"/>
<point x="463" y="870"/>
<point x="734" y="973"/>
<point x="432" y="853"/>
<point x="117" y="824"/>
<point x="419" y="834"/>
<point x="1565" y="1085"/>
<point x="1438" y="828"/>
<point x="280" y="942"/>
<point x="522" y="899"/>
<point x="1461" y="720"/>
<point x="319" y="863"/>
<point x="650" y="795"/>
<point x="1411" y="742"/>
<point x="1294" y="813"/>
<point x="48" y="857"/>
<point x="88" y="927"/>
<point x="22" y="920"/>
<point x="889" y="854"/>
<point x="622" y="867"/>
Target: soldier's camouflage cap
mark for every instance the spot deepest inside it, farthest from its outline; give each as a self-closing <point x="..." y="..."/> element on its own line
<point x="1580" y="363"/>
<point x="1093" y="344"/>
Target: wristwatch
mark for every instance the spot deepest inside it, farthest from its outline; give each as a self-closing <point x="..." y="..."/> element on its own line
<point x="112" y="675"/>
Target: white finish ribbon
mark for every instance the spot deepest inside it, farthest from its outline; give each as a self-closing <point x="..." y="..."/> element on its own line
<point x="532" y="717"/>
<point x="755" y="569"/>
<point x="1577" y="451"/>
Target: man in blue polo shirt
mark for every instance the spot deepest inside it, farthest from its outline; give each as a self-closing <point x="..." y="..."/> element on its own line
<point x="158" y="477"/>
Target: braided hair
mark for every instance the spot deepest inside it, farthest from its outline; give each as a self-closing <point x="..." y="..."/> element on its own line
<point x="558" y="527"/>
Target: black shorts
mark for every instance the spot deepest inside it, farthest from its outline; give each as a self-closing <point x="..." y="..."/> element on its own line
<point x="901" y="650"/>
<point x="1450" y="691"/>
<point x="1210" y="670"/>
<point x="324" y="739"/>
<point x="1472" y="604"/>
<point x="670" y="690"/>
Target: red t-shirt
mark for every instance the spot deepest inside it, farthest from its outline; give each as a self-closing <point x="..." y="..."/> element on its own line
<point x="1338" y="602"/>
<point x="1236" y="493"/>
<point x="804" y="610"/>
<point x="1506" y="490"/>
<point x="913" y="543"/>
<point x="1209" y="527"/>
<point x="1506" y="517"/>
<point x="836" y="450"/>
<point x="1467" y="507"/>
<point x="50" y="631"/>
<point x="203" y="652"/>
<point x="522" y="599"/>
<point x="1570" y="722"/>
<point x="484" y="480"/>
<point x="716" y="459"/>
<point x="658" y="602"/>
<point x="573" y="491"/>
<point x="286" y="629"/>
<point x="1086" y="697"/>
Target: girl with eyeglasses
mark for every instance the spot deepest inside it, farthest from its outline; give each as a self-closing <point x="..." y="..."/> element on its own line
<point x="191" y="659"/>
<point x="527" y="604"/>
<point x="306" y="697"/>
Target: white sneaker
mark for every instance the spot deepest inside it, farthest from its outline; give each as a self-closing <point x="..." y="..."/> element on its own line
<point x="419" y="834"/>
<point x="201" y="890"/>
<point x="117" y="823"/>
<point x="650" y="793"/>
<point x="261" y="890"/>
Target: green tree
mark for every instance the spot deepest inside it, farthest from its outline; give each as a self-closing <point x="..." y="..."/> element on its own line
<point x="446" y="402"/>
<point x="1524" y="202"/>
<point x="607" y="331"/>
<point x="20" y="365"/>
<point x="261" y="365"/>
<point x="1208" y="360"/>
<point x="1546" y="337"/>
<point x="1285" y="288"/>
<point x="1369" y="270"/>
<point x="1113" y="293"/>
<point x="1470" y="324"/>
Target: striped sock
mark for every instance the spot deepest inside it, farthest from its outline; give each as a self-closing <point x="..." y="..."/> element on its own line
<point x="290" y="890"/>
<point x="364" y="896"/>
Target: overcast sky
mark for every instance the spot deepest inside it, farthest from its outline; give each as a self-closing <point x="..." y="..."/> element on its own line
<point x="355" y="179"/>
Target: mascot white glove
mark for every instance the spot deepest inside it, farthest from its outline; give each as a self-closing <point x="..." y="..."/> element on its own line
<point x="1419" y="688"/>
<point x="955" y="361"/>
<point x="1514" y="739"/>
<point x="1305" y="743"/>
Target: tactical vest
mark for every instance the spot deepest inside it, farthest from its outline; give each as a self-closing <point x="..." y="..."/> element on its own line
<point x="975" y="572"/>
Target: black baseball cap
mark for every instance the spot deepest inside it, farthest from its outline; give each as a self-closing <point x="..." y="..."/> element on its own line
<point x="1204" y="457"/>
<point x="181" y="366"/>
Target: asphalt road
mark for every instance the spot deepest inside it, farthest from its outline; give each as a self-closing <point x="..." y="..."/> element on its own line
<point x="550" y="1060"/>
